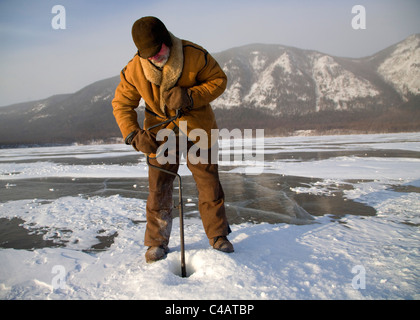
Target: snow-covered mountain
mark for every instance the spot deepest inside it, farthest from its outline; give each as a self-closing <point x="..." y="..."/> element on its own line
<point x="281" y="89"/>
<point x="401" y="68"/>
<point x="287" y="81"/>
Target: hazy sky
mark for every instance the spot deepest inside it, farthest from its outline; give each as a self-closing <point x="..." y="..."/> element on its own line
<point x="37" y="61"/>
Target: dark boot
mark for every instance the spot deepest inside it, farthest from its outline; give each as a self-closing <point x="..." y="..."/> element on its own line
<point x="222" y="244"/>
<point x="154" y="254"/>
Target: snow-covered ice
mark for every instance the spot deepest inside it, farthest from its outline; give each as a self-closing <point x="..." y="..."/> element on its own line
<point x="350" y="257"/>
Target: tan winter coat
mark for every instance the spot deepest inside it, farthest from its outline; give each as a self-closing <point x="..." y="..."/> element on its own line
<point x="189" y="66"/>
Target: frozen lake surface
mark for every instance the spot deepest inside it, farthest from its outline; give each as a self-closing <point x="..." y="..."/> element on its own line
<point x="330" y="217"/>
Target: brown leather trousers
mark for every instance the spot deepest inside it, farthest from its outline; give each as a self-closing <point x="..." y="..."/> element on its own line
<point x="160" y="203"/>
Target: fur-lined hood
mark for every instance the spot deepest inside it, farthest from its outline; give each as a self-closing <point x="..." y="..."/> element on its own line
<point x="169" y="75"/>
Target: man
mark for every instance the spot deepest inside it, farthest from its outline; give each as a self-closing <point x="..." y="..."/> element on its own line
<point x="172" y="75"/>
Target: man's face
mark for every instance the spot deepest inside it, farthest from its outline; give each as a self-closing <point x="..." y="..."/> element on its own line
<point x="160" y="58"/>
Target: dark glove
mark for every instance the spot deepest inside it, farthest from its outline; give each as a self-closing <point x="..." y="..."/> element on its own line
<point x="144" y="141"/>
<point x="177" y="98"/>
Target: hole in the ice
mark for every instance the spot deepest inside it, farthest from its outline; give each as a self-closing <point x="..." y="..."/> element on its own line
<point x="176" y="268"/>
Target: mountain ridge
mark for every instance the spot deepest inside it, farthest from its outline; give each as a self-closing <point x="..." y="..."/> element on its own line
<point x="276" y="87"/>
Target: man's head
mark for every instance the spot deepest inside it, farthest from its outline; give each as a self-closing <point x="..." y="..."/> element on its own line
<point x="149" y="33"/>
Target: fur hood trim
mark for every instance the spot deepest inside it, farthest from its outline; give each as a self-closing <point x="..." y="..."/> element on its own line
<point x="171" y="72"/>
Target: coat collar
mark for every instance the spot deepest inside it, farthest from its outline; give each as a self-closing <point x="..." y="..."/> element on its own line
<point x="170" y="73"/>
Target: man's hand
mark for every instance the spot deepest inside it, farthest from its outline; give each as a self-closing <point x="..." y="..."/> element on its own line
<point x="144" y="141"/>
<point x="177" y="98"/>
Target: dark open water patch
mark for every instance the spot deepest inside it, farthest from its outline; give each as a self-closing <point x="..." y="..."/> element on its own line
<point x="260" y="198"/>
<point x="268" y="193"/>
<point x="14" y="235"/>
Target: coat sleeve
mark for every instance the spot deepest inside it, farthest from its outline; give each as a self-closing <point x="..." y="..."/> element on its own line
<point x="125" y="102"/>
<point x="212" y="83"/>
